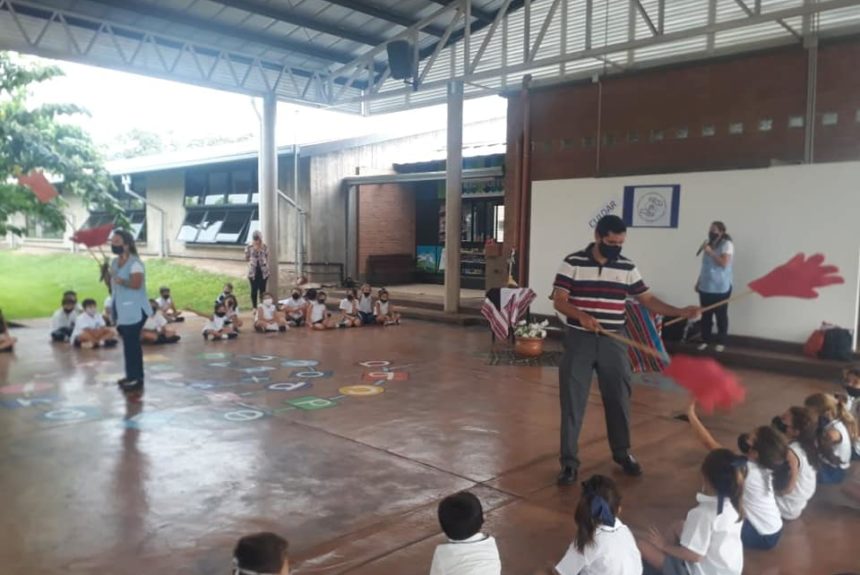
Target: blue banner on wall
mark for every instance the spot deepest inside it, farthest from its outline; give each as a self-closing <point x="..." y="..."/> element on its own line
<point x="652" y="206"/>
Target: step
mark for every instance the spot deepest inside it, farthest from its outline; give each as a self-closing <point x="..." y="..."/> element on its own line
<point x="437" y="315"/>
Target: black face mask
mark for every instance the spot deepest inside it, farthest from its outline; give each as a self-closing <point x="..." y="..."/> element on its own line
<point x="220" y="313"/>
<point x="609" y="252"/>
<point x="779" y="424"/>
<point x="852" y="391"/>
<point x="744" y="443"/>
<point x="296" y="296"/>
<point x="118" y="250"/>
<point x="321" y="300"/>
<point x="713" y="237"/>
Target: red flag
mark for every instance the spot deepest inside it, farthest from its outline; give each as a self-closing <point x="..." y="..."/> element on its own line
<point x="94" y="236"/>
<point x="706" y="380"/>
<point x="798" y="277"/>
<point x="40" y="186"/>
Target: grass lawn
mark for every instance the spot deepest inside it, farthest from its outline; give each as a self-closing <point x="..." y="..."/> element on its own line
<point x="31" y="285"/>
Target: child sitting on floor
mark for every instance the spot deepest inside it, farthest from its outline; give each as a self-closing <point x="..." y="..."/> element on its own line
<point x="261" y="554"/>
<point x="851" y="379"/>
<point x="385" y="314"/>
<point x="468" y="551"/>
<point x="318" y="315"/>
<point x="349" y="311"/>
<point x="167" y="307"/>
<point x="63" y="320"/>
<point x="226" y="292"/>
<point x="217" y="327"/>
<point x="837" y="431"/>
<point x="268" y="317"/>
<point x="155" y="328"/>
<point x="232" y="318"/>
<point x="767" y="473"/>
<point x="709" y="541"/>
<point x="603" y="544"/>
<point x="800" y="427"/>
<point x="366" y="306"/>
<point x="90" y="329"/>
<point x="295" y="308"/>
<point x="7" y="342"/>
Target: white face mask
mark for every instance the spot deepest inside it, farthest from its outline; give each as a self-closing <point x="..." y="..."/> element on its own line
<point x="91" y="311"/>
<point x="267" y="301"/>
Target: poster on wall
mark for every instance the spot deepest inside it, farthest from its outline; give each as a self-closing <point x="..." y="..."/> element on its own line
<point x="652" y="206"/>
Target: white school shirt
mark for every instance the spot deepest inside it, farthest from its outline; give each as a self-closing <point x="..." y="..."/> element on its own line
<point x="155" y="322"/>
<point x="268" y="311"/>
<point x="215" y="324"/>
<point x="318" y="311"/>
<point x="383" y="307"/>
<point x="760" y="500"/>
<point x="792" y="504"/>
<point x="61" y="319"/>
<point x="477" y="555"/>
<point x="842" y="450"/>
<point x="613" y="552"/>
<point x="365" y="303"/>
<point x="716" y="537"/>
<point x="347" y="307"/>
<point x="853" y="406"/>
<point x="87" y="321"/>
<point x="164" y="304"/>
<point x="108" y="304"/>
<point x="294" y="307"/>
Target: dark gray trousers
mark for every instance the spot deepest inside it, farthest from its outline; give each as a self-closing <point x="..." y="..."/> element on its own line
<point x="585" y="353"/>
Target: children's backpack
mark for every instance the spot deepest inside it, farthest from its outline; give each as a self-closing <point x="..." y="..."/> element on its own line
<point x="836" y="345"/>
<point x="815" y="343"/>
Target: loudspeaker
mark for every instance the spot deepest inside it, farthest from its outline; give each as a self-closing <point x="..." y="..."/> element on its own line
<point x="400" y="59"/>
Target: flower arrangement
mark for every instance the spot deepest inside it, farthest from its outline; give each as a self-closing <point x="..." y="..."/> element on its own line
<point x="534" y="330"/>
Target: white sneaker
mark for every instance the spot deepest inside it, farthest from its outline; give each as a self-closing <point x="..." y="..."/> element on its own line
<point x="225" y="336"/>
<point x="272" y="327"/>
<point x="702" y="347"/>
<point x="720" y="348"/>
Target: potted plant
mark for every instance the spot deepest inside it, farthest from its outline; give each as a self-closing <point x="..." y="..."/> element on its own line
<point x="529" y="338"/>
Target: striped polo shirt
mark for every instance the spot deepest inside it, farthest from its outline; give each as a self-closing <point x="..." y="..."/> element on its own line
<point x="599" y="290"/>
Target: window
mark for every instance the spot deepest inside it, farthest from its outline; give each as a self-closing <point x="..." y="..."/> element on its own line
<point x="220" y="204"/>
<point x="632" y="137"/>
<point x="765" y="125"/>
<point x="708" y="130"/>
<point x="829" y="119"/>
<point x="736" y="128"/>
<point x="133" y="204"/>
<point x="43" y="229"/>
<point x="795" y="122"/>
<point x="588" y="142"/>
<point x="499" y="222"/>
<point x="682" y="133"/>
<point x="655" y="136"/>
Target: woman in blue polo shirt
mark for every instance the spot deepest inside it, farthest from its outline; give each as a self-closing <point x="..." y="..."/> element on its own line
<point x="130" y="307"/>
<point x="715" y="284"/>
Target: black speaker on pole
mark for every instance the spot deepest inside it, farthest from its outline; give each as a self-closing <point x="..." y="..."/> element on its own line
<point x="401" y="59"/>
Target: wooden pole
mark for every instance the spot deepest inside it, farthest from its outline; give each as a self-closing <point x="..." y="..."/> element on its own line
<point x="713" y="306"/>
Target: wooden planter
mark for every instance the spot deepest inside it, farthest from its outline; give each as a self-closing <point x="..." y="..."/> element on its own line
<point x="528" y="346"/>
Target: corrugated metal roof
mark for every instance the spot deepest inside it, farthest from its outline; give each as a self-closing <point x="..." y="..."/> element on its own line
<point x="331" y="53"/>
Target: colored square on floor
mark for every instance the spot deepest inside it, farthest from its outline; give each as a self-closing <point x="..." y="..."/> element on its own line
<point x="374" y="376"/>
<point x="216" y="355"/>
<point x="33" y="387"/>
<point x="310" y="374"/>
<point x="154" y="358"/>
<point x="311" y="403"/>
<point x="20" y="402"/>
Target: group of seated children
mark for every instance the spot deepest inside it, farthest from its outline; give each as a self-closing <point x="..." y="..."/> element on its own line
<point x="308" y="309"/>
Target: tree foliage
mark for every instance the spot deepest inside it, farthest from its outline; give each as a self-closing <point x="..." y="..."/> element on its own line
<point x="39" y="137"/>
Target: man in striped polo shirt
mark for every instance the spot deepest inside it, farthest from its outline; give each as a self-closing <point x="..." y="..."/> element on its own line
<point x="590" y="290"/>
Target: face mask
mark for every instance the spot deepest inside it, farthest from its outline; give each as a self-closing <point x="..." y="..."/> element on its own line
<point x="267" y="301"/>
<point x="744" y="443"/>
<point x="383" y="299"/>
<point x="91" y="311"/>
<point x="366" y="293"/>
<point x="779" y="424"/>
<point x="852" y="391"/>
<point x="257" y="238"/>
<point x="118" y="250"/>
<point x="220" y="313"/>
<point x="609" y="252"/>
<point x="296" y="296"/>
<point x="321" y="300"/>
<point x="713" y="236"/>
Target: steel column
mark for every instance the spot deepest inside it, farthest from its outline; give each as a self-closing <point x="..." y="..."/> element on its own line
<point x="453" y="196"/>
<point x="268" y="183"/>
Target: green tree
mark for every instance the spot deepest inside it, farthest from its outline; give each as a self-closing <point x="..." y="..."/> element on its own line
<point x="39" y="138"/>
<point x="136" y="143"/>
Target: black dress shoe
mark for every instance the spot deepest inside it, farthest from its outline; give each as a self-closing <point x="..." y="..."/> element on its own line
<point x="567" y="476"/>
<point x="629" y="464"/>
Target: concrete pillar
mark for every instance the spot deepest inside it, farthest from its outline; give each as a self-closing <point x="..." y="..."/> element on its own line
<point x="268" y="182"/>
<point x="811" y="43"/>
<point x="453" y="196"/>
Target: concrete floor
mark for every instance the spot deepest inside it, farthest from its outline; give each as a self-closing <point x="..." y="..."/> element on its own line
<point x="348" y="470"/>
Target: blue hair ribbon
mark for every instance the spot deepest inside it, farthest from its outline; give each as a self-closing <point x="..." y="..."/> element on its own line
<point x="600" y="510"/>
<point x="823" y="422"/>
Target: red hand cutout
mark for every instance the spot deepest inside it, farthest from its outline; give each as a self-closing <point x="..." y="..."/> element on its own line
<point x="706" y="380"/>
<point x="39" y="185"/>
<point x="94" y="236"/>
<point x="799" y="277"/>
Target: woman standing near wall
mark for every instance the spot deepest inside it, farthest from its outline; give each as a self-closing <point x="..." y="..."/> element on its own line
<point x="715" y="284"/>
<point x="257" y="256"/>
<point x="130" y="307"/>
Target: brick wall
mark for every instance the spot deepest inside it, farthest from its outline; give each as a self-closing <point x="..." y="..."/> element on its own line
<point x="386" y="222"/>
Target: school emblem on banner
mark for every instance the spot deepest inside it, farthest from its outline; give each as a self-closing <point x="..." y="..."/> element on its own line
<point x="653" y="206"/>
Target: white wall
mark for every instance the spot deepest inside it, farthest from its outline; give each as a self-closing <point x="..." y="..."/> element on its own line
<point x="771" y="214"/>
